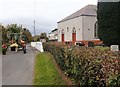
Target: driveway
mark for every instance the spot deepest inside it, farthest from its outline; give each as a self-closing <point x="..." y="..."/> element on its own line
<point x="17" y="68"/>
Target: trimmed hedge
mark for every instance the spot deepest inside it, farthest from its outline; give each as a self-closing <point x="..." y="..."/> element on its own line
<point x="109" y="22"/>
<point x="87" y="66"/>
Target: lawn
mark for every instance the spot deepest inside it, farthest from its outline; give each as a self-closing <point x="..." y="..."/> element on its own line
<point x="102" y="48"/>
<point x="45" y="71"/>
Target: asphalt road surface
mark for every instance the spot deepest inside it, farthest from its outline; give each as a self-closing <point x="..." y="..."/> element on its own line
<point x="17" y="68"/>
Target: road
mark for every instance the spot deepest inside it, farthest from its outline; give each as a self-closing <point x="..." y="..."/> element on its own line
<point x="17" y="68"/>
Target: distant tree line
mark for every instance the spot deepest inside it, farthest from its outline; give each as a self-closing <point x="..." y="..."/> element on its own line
<point x="41" y="36"/>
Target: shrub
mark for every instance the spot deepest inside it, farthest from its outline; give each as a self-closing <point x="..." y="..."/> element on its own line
<point x="108" y="22"/>
<point x="86" y="66"/>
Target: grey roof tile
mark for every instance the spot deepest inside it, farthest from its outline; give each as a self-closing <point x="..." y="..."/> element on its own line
<point x="89" y="10"/>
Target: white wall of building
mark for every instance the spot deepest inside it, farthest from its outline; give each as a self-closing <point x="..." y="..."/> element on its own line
<point x="76" y="23"/>
<point x="84" y="26"/>
<point x="108" y="0"/>
<point x="83" y="21"/>
<point x="53" y="35"/>
<point x="88" y="27"/>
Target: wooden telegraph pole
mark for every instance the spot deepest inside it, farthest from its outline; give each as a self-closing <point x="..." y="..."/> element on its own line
<point x="34" y="19"/>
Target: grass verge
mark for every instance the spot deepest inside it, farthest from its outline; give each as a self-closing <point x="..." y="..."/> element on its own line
<point x="102" y="48"/>
<point x="45" y="71"/>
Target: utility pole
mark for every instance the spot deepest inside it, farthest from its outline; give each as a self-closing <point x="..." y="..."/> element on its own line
<point x="34" y="30"/>
<point x="34" y="19"/>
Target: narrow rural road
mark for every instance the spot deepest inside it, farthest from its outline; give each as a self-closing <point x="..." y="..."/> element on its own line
<point x="17" y="68"/>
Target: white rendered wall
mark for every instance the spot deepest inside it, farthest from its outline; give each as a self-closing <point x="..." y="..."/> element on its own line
<point x="88" y="27"/>
<point x="53" y="35"/>
<point x="76" y="22"/>
<point x="38" y="46"/>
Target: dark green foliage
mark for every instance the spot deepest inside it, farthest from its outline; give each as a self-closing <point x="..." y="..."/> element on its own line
<point x="3" y="35"/>
<point x="109" y="22"/>
<point x="13" y="31"/>
<point x="36" y="38"/>
<point x="26" y="35"/>
<point x="44" y="36"/>
<point x="4" y="50"/>
<point x="86" y="66"/>
<point x="14" y="28"/>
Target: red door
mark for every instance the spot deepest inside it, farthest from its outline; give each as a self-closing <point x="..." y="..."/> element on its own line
<point x="73" y="38"/>
<point x="62" y="37"/>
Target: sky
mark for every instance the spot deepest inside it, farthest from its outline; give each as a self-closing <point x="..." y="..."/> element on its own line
<point x="47" y="12"/>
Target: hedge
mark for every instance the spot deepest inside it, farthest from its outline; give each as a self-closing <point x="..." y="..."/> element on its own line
<point x="108" y="15"/>
<point x="86" y="65"/>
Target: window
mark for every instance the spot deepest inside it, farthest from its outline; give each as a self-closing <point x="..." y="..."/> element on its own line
<point x="74" y="30"/>
<point x="96" y="30"/>
<point x="67" y="29"/>
<point x="62" y="31"/>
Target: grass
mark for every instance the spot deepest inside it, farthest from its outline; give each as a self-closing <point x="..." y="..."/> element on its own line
<point x="45" y="71"/>
<point x="102" y="48"/>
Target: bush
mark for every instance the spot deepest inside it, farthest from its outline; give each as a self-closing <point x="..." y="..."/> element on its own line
<point x="86" y="66"/>
<point x="108" y="22"/>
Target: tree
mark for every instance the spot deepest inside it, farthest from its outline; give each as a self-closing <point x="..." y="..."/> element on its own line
<point x="14" y="31"/>
<point x="3" y="35"/>
<point x="0" y="32"/>
<point x="14" y="28"/>
<point x="36" y="38"/>
<point x="27" y="35"/>
<point x="108" y="22"/>
<point x="43" y="36"/>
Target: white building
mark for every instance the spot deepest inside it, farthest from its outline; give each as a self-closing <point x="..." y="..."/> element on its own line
<point x="108" y="0"/>
<point x="53" y="35"/>
<point x="81" y="26"/>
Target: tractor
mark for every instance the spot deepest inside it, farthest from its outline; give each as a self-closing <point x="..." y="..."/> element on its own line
<point x="18" y="42"/>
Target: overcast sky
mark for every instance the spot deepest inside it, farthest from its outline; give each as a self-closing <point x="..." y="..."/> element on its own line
<point x="47" y="12"/>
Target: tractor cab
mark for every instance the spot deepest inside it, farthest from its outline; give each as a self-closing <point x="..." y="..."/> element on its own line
<point x="17" y="41"/>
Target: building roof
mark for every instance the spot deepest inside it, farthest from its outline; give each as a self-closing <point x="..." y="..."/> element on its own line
<point x="89" y="10"/>
<point x="53" y="31"/>
<point x="108" y="0"/>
